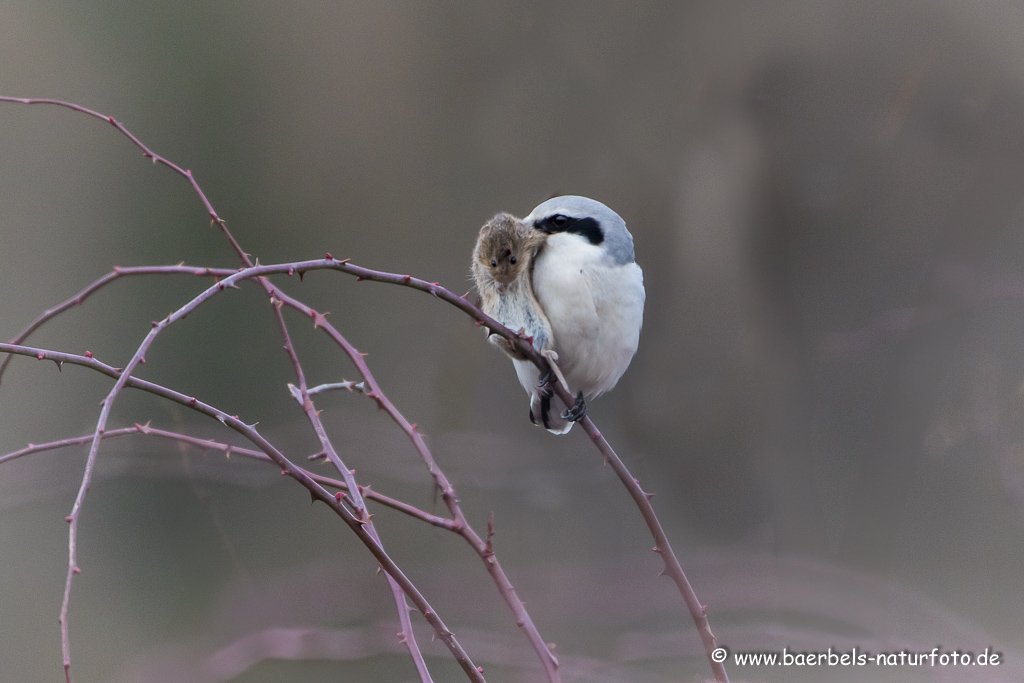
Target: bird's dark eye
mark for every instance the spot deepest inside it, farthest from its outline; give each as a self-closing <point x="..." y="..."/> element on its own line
<point x="494" y="263"/>
<point x="512" y="260"/>
<point x="559" y="221"/>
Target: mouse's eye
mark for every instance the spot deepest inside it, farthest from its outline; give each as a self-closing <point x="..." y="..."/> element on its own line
<point x="512" y="260"/>
<point x="494" y="263"/>
<point x="559" y="220"/>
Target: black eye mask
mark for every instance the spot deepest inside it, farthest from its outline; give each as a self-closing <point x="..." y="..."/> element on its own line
<point x="587" y="228"/>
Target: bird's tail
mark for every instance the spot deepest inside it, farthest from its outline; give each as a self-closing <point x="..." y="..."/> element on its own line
<point x="545" y="413"/>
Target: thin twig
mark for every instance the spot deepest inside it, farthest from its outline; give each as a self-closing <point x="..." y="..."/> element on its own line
<point x="662" y="546"/>
<point x="118" y="272"/>
<point x="407" y="635"/>
<point x="672" y="565"/>
<point x="229" y="450"/>
<point x="372" y="390"/>
<point x="287" y="468"/>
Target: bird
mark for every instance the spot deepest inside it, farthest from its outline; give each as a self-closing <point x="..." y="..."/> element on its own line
<point x="502" y="270"/>
<point x="588" y="285"/>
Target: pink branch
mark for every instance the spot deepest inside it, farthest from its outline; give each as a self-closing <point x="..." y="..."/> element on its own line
<point x="287" y="468"/>
<point x="673" y="568"/>
<point x="354" y="492"/>
<point x="229" y="450"/>
<point x="698" y="612"/>
<point x="462" y="525"/>
<point x="79" y="299"/>
<point x="356" y="500"/>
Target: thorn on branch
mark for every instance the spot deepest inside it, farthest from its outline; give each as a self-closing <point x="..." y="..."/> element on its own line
<point x="40" y="356"/>
<point x="329" y="257"/>
<point x="88" y="354"/>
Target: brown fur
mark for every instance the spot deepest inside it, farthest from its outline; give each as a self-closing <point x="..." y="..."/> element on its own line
<point x="503" y="271"/>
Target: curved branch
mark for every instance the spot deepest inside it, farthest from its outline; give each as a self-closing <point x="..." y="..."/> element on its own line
<point x="229" y="450"/>
<point x="118" y="272"/>
<point x="287" y="468"/>
<point x="673" y="568"/>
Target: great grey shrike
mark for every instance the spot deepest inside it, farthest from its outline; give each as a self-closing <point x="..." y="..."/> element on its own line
<point x="588" y="284"/>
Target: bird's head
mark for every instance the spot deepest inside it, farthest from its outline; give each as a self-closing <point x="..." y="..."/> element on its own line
<point x="590" y="220"/>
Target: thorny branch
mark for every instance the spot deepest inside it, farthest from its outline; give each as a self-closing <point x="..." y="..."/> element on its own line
<point x="672" y="566"/>
<point x="334" y="501"/>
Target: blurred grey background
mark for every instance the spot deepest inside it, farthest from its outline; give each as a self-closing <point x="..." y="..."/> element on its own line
<point x="828" y="399"/>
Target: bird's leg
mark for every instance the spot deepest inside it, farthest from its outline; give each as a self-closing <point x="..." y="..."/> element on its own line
<point x="578" y="410"/>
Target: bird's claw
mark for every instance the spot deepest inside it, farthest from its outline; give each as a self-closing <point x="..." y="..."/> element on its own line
<point x="578" y="411"/>
<point x="544" y="385"/>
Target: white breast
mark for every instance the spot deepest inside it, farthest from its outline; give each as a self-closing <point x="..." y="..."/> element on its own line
<point x="595" y="310"/>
